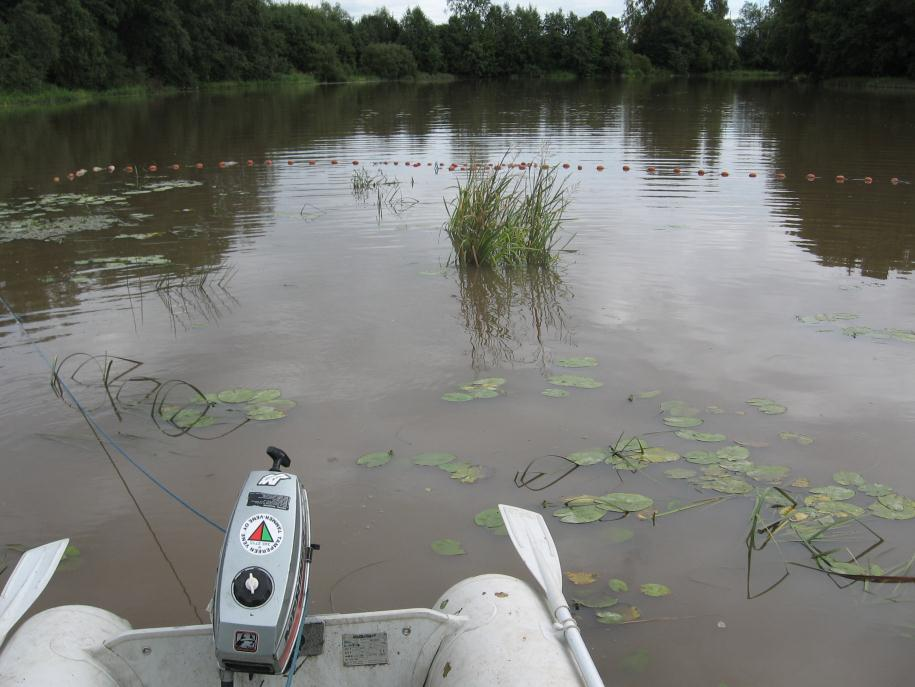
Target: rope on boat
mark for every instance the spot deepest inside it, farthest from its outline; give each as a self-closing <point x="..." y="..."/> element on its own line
<point x="100" y="430"/>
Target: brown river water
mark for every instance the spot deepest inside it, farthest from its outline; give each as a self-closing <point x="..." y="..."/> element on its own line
<point x="705" y="288"/>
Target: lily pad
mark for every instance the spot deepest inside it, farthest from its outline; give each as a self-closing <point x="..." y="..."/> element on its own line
<point x="239" y="395"/>
<point x="265" y="395"/>
<point x="647" y="394"/>
<point x="802" y="439"/>
<point x="610" y="618"/>
<point x="677" y="421"/>
<point x="484" y="392"/>
<point x="577" y="515"/>
<point x="680" y="473"/>
<point x="448" y="547"/>
<point x="767" y="406"/>
<point x="626" y="503"/>
<point x="264" y="413"/>
<point x="597" y="602"/>
<point x="834" y="493"/>
<point x="555" y="393"/>
<point x="768" y="473"/>
<point x="842" y="509"/>
<point x="464" y="472"/>
<point x="876" y="489"/>
<point x="491" y="382"/>
<point x="728" y="485"/>
<point x="848" y="479"/>
<point x="457" y="397"/>
<point x="733" y="453"/>
<point x="618" y="585"/>
<point x="590" y="457"/>
<point x="434" y="459"/>
<point x="585" y="361"/>
<point x="491" y="519"/>
<point x="659" y="455"/>
<point x="581" y="578"/>
<point x="651" y="589"/>
<point x="701" y="457"/>
<point x="701" y="436"/>
<point x="376" y="459"/>
<point x="881" y="510"/>
<point x="679" y="409"/>
<point x="576" y="381"/>
<point x="279" y="404"/>
<point x="191" y="418"/>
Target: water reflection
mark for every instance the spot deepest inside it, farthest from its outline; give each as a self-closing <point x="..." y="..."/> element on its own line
<point x="510" y="315"/>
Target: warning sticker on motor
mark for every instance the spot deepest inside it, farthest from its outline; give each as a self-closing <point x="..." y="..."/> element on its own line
<point x="365" y="650"/>
<point x="262" y="500"/>
<point x="261" y="534"/>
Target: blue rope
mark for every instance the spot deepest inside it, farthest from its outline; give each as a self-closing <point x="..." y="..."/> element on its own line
<point x="152" y="478"/>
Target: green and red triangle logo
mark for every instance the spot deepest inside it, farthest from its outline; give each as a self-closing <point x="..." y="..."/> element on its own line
<point x="262" y="533"/>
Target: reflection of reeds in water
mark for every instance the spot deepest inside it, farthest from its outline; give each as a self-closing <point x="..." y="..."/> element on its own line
<point x="508" y="310"/>
<point x="202" y="295"/>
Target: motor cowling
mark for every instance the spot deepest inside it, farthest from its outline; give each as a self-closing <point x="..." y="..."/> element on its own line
<point x="262" y="582"/>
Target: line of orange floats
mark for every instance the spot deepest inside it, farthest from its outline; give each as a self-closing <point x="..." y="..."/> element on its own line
<point x="453" y="167"/>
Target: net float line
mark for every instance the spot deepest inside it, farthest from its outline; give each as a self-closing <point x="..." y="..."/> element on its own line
<point x="652" y="170"/>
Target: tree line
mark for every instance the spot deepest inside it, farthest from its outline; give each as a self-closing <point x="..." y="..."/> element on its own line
<point x="98" y="44"/>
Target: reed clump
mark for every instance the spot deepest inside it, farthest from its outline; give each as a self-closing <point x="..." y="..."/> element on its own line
<point x="508" y="216"/>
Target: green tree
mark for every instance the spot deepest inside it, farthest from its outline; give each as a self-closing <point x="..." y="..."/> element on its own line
<point x="418" y="35"/>
<point x="388" y="60"/>
<point x="29" y="45"/>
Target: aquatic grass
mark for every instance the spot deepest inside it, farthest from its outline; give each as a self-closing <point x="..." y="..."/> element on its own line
<point x="500" y="217"/>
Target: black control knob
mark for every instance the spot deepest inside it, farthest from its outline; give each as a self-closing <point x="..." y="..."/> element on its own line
<point x="279" y="458"/>
<point x="252" y="587"/>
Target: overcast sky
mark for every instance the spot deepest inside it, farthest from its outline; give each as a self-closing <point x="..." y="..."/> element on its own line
<point x="436" y="10"/>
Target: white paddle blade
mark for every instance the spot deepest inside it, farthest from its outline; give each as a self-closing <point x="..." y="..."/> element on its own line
<point x="32" y="574"/>
<point x="534" y="544"/>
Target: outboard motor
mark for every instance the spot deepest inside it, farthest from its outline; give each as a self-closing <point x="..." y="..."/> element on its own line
<point x="262" y="582"/>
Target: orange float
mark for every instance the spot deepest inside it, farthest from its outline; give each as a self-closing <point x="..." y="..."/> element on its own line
<point x="600" y="168"/>
<point x="625" y="168"/>
<point x="868" y="180"/>
<point x="355" y="162"/>
<point x="250" y="163"/>
<point x="565" y="165"/>
<point x="175" y="167"/>
<point x="780" y="175"/>
<point x="840" y="178"/>
<point x="725" y="173"/>
<point x="894" y="181"/>
<point x="221" y="165"/>
<point x="153" y="168"/>
<point x="651" y="170"/>
<point x="290" y="163"/>
<point x="417" y="164"/>
<point x="128" y="169"/>
<point x="269" y="163"/>
<point x="56" y="180"/>
<point x="676" y="170"/>
<point x="752" y="175"/>
<point x="199" y="165"/>
<point x="334" y="162"/>
<point x="701" y="172"/>
<point x="811" y="177"/>
<point x="71" y="176"/>
<point x="110" y="169"/>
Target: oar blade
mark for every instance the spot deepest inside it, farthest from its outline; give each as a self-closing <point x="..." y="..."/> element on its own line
<point x="32" y="574"/>
<point x="534" y="544"/>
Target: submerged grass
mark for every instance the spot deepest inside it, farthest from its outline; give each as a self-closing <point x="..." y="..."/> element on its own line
<point x="502" y="218"/>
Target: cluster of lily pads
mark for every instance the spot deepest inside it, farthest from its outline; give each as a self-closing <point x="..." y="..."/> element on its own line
<point x="576" y="381"/>
<point x="599" y="600"/>
<point x="489" y="387"/>
<point x="457" y="469"/>
<point x="208" y="409"/>
<point x="855" y="331"/>
<point x="55" y="216"/>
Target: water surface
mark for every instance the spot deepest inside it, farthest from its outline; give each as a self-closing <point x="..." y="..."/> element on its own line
<point x="277" y="276"/>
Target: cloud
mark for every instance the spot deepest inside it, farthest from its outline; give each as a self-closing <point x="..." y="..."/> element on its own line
<point x="437" y="10"/>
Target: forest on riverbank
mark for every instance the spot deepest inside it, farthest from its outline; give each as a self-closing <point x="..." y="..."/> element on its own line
<point x="105" y="44"/>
